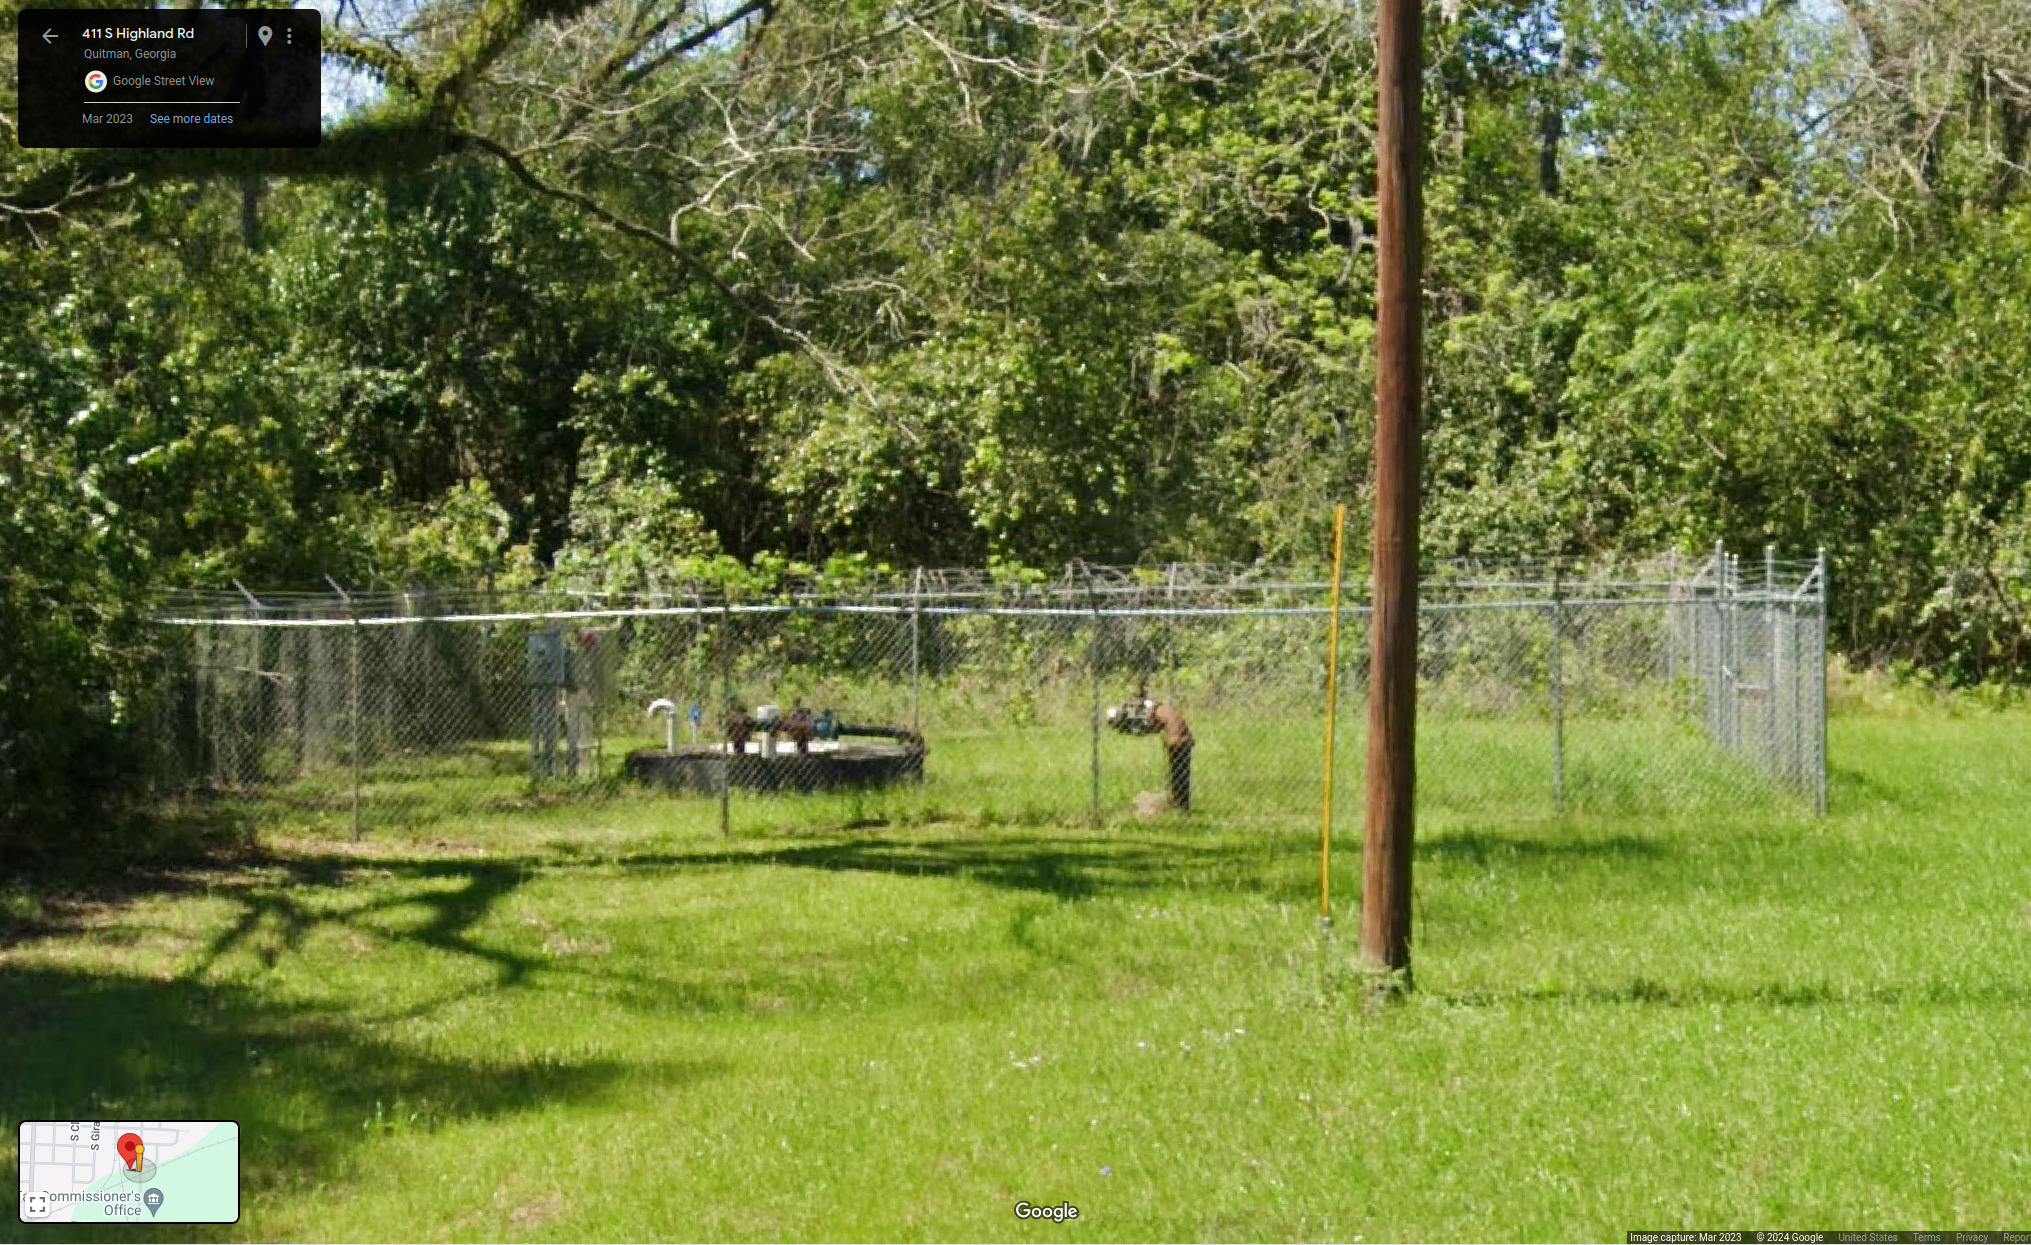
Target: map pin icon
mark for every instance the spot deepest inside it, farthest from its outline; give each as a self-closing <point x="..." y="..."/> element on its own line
<point x="265" y="34"/>
<point x="154" y="1200"/>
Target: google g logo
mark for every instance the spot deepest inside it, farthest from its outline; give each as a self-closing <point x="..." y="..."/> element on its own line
<point x="95" y="81"/>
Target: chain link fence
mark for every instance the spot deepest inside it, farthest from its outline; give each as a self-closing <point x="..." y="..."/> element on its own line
<point x="1097" y="696"/>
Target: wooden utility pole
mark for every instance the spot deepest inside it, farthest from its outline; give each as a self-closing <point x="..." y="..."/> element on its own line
<point x="1399" y="381"/>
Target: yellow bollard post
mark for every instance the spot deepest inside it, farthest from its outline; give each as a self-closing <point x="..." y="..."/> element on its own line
<point x="1332" y="712"/>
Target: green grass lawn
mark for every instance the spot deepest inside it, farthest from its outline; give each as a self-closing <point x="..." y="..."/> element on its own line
<point x="576" y="1022"/>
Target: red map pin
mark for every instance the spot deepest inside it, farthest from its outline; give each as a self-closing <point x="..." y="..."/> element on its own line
<point x="129" y="1147"/>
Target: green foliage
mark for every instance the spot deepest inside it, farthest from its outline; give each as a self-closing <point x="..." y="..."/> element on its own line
<point x="499" y="335"/>
<point x="73" y="651"/>
<point x="1143" y="343"/>
<point x="630" y="530"/>
<point x="461" y="540"/>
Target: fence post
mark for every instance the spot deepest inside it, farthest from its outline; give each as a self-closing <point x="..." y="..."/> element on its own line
<point x="1731" y="655"/>
<point x="726" y="701"/>
<point x="1672" y="631"/>
<point x="1819" y="683"/>
<point x="250" y="763"/>
<point x="702" y="687"/>
<point x="1738" y="639"/>
<point x="1691" y="620"/>
<point x="1170" y="633"/>
<point x="1093" y="661"/>
<point x="916" y="611"/>
<point x="1794" y="740"/>
<point x="1773" y="759"/>
<point x="1558" y="690"/>
<point x="352" y="700"/>
<point x="201" y="697"/>
<point x="1717" y="668"/>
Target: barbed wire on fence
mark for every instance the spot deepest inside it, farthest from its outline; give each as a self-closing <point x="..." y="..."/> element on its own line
<point x="1654" y="684"/>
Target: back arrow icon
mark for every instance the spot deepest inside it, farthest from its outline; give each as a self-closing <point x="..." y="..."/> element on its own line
<point x="49" y="36"/>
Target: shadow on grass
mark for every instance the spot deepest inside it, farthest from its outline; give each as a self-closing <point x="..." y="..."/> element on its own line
<point x="453" y="912"/>
<point x="1645" y="992"/>
<point x="1489" y="847"/>
<point x="1059" y="864"/>
<point x="267" y="888"/>
<point x="306" y="1088"/>
<point x="1066" y="867"/>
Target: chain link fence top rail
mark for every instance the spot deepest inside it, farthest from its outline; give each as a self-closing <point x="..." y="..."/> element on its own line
<point x="1096" y="695"/>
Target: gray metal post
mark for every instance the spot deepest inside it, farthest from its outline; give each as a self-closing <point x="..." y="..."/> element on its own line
<point x="1692" y="631"/>
<point x="916" y="612"/>
<point x="1171" y="633"/>
<point x="701" y="686"/>
<point x="1771" y="758"/>
<point x="352" y="701"/>
<point x="1558" y="690"/>
<point x="1795" y="659"/>
<point x="294" y="662"/>
<point x="353" y="712"/>
<point x="1819" y="681"/>
<point x="1731" y="654"/>
<point x="1093" y="660"/>
<point x="201" y="685"/>
<point x="1717" y="644"/>
<point x="726" y="699"/>
<point x="1722" y="691"/>
<point x="1674" y="630"/>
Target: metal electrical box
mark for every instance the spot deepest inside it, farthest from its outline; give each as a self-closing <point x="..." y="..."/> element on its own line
<point x="549" y="662"/>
